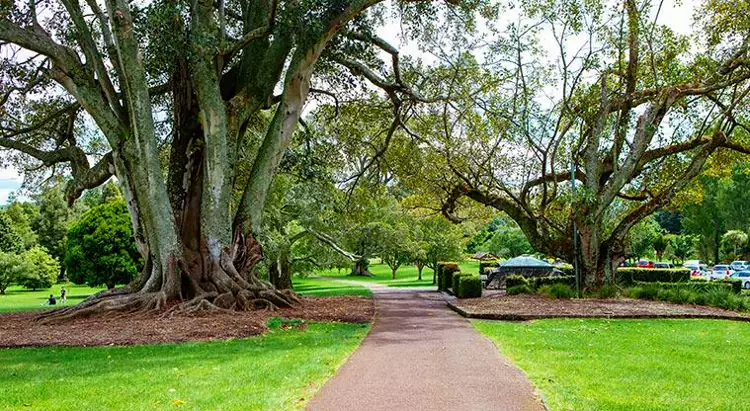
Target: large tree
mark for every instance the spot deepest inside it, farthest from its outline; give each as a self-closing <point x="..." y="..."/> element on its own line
<point x="597" y="131"/>
<point x="181" y="83"/>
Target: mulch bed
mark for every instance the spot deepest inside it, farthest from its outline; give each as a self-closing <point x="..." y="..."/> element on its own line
<point x="22" y="329"/>
<point x="526" y="307"/>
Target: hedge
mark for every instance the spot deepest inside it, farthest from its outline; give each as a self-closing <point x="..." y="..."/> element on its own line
<point x="627" y="276"/>
<point x="469" y="286"/>
<point x="536" y="282"/>
<point x="455" y="280"/>
<point x="486" y="264"/>
<point x="516" y="280"/>
<point x="445" y="275"/>
<point x="736" y="284"/>
<point x="701" y="286"/>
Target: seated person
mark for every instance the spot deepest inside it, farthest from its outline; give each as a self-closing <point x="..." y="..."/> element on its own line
<point x="51" y="300"/>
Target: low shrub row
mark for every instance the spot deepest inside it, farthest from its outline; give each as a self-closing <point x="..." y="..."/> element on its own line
<point x="628" y="276"/>
<point x="537" y="282"/>
<point x="557" y="290"/>
<point x="721" y="297"/>
<point x="700" y="286"/>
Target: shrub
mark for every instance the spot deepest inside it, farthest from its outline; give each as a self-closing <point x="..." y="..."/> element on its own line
<point x="735" y="284"/>
<point x="42" y="269"/>
<point x="606" y="291"/>
<point x="445" y="272"/>
<point x="12" y="269"/>
<point x="516" y="280"/>
<point x="519" y="289"/>
<point x="101" y="249"/>
<point x="569" y="280"/>
<point x="469" y="286"/>
<point x="558" y="290"/>
<point x="695" y="286"/>
<point x="455" y="281"/>
<point x="484" y="265"/>
<point x="627" y="276"/>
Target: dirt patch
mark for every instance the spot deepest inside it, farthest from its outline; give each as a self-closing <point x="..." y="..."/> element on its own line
<point x="21" y="329"/>
<point x="525" y="307"/>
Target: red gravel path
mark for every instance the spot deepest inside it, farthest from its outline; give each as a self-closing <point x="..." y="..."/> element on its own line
<point x="421" y="356"/>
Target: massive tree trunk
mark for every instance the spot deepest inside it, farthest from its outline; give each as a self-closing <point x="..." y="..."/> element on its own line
<point x="199" y="250"/>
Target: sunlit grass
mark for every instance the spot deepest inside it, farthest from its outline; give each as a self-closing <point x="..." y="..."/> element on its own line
<point x="17" y="298"/>
<point x="631" y="364"/>
<point x="406" y="276"/>
<point x="280" y="370"/>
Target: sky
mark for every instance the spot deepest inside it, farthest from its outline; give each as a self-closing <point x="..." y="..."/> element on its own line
<point x="674" y="13"/>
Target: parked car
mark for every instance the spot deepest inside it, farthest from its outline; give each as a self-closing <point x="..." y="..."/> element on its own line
<point x="663" y="265"/>
<point x="720" y="271"/>
<point x="744" y="276"/>
<point x="697" y="270"/>
<point x="645" y="264"/>
<point x="740" y="265"/>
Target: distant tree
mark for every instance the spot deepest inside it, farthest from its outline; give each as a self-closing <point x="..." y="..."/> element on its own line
<point x="661" y="242"/>
<point x="42" y="269"/>
<point x="53" y="221"/>
<point x="734" y="243"/>
<point x="640" y="240"/>
<point x="670" y="221"/>
<point x="23" y="214"/>
<point x="101" y="249"/>
<point x="705" y="219"/>
<point x="10" y="239"/>
<point x="680" y="247"/>
<point x="508" y="242"/>
<point x="12" y="269"/>
<point x="395" y="247"/>
<point x="443" y="240"/>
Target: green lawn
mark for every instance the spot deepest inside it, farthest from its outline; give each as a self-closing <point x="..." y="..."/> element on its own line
<point x="321" y="287"/>
<point x="631" y="364"/>
<point x="406" y="276"/>
<point x="280" y="370"/>
<point x="17" y="298"/>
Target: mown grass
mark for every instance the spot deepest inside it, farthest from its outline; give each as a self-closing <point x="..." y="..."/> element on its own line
<point x="406" y="276"/>
<point x="17" y="298"/>
<point x="321" y="287"/>
<point x="280" y="370"/>
<point x="631" y="364"/>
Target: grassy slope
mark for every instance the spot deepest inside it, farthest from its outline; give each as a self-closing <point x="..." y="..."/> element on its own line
<point x="17" y="298"/>
<point x="278" y="371"/>
<point x="631" y="364"/>
<point x="406" y="276"/>
<point x="320" y="287"/>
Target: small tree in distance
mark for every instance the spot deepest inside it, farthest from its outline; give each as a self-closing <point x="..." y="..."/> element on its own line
<point x="101" y="250"/>
<point x="42" y="269"/>
<point x="12" y="269"/>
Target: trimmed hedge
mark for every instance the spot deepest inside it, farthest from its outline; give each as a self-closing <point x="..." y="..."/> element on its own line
<point x="736" y="284"/>
<point x="455" y="280"/>
<point x="469" y="286"/>
<point x="516" y="280"/>
<point x="699" y="286"/>
<point x="445" y="275"/>
<point x="484" y="265"/>
<point x="629" y="275"/>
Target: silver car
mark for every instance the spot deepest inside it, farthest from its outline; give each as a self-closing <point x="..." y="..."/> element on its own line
<point x="719" y="272"/>
<point x="739" y="265"/>
<point x="744" y="276"/>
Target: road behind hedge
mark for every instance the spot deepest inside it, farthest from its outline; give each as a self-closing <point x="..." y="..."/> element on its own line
<point x="422" y="356"/>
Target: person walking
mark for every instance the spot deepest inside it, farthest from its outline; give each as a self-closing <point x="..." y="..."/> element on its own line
<point x="63" y="295"/>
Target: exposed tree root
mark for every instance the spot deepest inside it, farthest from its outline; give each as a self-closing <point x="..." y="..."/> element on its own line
<point x="113" y="303"/>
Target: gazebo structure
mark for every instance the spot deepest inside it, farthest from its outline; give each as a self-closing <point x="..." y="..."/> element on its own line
<point x="524" y="265"/>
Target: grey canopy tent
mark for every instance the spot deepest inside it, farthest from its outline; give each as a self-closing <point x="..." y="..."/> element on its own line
<point x="524" y="265"/>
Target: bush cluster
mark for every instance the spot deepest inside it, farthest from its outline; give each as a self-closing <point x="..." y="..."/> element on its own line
<point x="628" y="276"/>
<point x="519" y="289"/>
<point x="557" y="290"/>
<point x="537" y="282"/>
<point x="445" y="272"/>
<point x="484" y="266"/>
<point x="469" y="286"/>
<point x="700" y="286"/>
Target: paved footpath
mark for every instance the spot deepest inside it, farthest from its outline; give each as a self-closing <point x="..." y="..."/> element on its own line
<point x="422" y="356"/>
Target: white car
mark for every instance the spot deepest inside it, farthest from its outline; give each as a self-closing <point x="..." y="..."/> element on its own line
<point x="739" y="265"/>
<point x="719" y="272"/>
<point x="697" y="270"/>
<point x="744" y="276"/>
